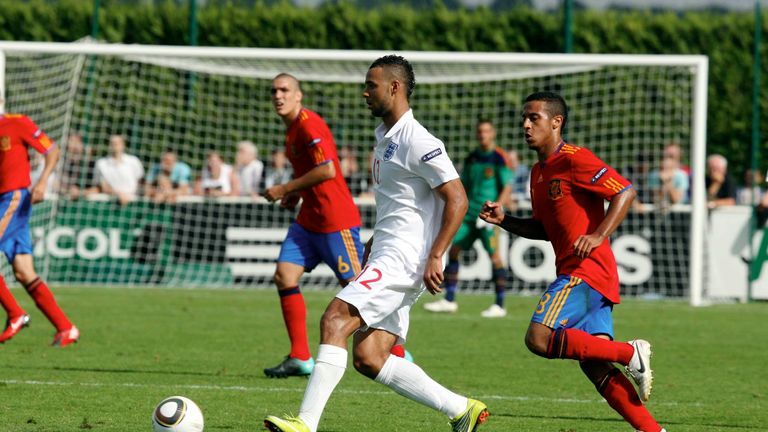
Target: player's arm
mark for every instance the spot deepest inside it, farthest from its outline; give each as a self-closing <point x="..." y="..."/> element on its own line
<point x="617" y="211"/>
<point x="34" y="137"/>
<point x="456" y="204"/>
<point x="592" y="175"/>
<point x="51" y="157"/>
<point x="493" y="212"/>
<point x="316" y="175"/>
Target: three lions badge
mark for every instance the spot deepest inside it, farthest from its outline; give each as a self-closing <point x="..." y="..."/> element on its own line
<point x="390" y="151"/>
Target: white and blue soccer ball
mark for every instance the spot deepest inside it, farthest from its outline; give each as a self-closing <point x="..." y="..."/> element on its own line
<point x="177" y="414"/>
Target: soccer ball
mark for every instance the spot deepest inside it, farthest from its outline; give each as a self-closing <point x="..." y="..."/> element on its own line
<point x="177" y="414"/>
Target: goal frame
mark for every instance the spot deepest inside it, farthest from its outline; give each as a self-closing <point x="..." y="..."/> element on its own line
<point x="698" y="64"/>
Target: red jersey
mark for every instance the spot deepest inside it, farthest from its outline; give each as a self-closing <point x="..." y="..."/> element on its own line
<point x="17" y="134"/>
<point x="568" y="193"/>
<point x="327" y="206"/>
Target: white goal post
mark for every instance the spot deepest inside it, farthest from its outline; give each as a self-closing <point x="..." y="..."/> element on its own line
<point x="195" y="99"/>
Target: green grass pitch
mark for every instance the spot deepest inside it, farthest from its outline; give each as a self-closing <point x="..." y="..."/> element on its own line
<point x="141" y="345"/>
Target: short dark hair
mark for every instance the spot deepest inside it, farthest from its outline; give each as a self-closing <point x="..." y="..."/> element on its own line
<point x="289" y="76"/>
<point x="555" y="104"/>
<point x="400" y="67"/>
<point x="484" y="120"/>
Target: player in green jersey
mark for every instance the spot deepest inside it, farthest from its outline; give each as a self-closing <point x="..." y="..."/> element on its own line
<point x="486" y="177"/>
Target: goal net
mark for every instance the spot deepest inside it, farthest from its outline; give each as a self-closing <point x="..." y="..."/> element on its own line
<point x="197" y="100"/>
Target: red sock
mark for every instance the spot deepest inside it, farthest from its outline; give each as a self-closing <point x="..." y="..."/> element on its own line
<point x="44" y="300"/>
<point x="580" y="345"/>
<point x="295" y="317"/>
<point x="398" y="350"/>
<point x="622" y="397"/>
<point x="8" y="301"/>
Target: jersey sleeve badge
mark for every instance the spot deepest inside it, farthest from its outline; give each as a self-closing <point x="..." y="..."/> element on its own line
<point x="431" y="155"/>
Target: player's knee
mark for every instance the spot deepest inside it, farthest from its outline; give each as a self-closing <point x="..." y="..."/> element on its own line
<point x="533" y="346"/>
<point x="24" y="276"/>
<point x="367" y="365"/>
<point x="335" y="325"/>
<point x="279" y="279"/>
<point x="537" y="343"/>
<point x="329" y="322"/>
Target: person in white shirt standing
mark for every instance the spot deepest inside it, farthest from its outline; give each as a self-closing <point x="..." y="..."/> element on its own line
<point x="420" y="203"/>
<point x="119" y="173"/>
<point x="249" y="168"/>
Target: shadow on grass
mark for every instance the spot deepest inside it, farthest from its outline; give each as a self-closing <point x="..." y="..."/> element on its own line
<point x="220" y="373"/>
<point x="618" y="420"/>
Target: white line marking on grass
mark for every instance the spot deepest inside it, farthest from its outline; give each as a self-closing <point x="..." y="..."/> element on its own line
<point x="301" y="390"/>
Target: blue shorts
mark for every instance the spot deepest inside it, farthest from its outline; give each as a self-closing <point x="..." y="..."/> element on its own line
<point x="341" y="250"/>
<point x="569" y="302"/>
<point x="16" y="209"/>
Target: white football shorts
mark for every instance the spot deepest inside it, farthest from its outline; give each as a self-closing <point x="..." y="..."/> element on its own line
<point x="383" y="293"/>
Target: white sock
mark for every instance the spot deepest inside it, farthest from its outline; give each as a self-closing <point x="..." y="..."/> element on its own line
<point x="329" y="368"/>
<point x="409" y="380"/>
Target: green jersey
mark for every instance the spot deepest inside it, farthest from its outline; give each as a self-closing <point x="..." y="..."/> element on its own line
<point x="484" y="176"/>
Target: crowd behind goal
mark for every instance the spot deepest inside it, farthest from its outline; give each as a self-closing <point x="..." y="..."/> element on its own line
<point x="119" y="174"/>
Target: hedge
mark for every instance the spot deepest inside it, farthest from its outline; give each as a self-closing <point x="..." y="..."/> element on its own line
<point x="726" y="38"/>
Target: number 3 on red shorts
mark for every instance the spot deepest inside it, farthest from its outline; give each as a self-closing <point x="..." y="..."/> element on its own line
<point x="368" y="280"/>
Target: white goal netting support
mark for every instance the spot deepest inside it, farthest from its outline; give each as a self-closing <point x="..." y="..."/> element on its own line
<point x="196" y="100"/>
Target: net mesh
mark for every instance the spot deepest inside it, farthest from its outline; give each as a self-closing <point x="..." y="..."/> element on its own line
<point x="195" y="104"/>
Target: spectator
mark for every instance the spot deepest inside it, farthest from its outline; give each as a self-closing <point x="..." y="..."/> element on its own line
<point x="520" y="181"/>
<point x="751" y="192"/>
<point x="168" y="180"/>
<point x="249" y="168"/>
<point x="720" y="187"/>
<point x="78" y="166"/>
<point x="762" y="210"/>
<point x="119" y="173"/>
<point x="350" y="169"/>
<point x="217" y="179"/>
<point x="279" y="171"/>
<point x="669" y="184"/>
<point x="673" y="151"/>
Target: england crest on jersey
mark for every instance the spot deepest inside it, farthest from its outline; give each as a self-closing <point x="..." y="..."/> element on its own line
<point x="390" y="151"/>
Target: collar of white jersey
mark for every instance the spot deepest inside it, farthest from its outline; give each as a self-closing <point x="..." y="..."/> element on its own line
<point x="405" y="118"/>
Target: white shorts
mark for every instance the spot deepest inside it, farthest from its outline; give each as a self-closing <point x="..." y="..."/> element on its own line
<point x="383" y="293"/>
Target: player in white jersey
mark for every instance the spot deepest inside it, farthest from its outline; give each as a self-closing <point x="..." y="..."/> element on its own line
<point x="420" y="203"/>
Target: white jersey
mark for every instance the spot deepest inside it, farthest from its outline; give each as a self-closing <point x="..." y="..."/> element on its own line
<point x="409" y="162"/>
<point x="222" y="183"/>
<point x="121" y="175"/>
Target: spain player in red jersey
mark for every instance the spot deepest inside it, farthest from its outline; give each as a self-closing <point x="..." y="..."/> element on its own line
<point x="327" y="228"/>
<point x="17" y="134"/>
<point x="569" y="186"/>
